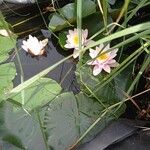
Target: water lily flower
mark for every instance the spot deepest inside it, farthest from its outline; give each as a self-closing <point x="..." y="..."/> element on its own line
<point x="102" y="61"/>
<point x="73" y="41"/>
<point x="34" y="46"/>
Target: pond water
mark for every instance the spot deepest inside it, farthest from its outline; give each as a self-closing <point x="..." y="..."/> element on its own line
<point x="26" y="22"/>
<point x="63" y="74"/>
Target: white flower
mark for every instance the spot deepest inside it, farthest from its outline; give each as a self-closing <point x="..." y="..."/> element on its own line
<point x="34" y="46"/>
<point x="73" y="41"/>
<point x="102" y="61"/>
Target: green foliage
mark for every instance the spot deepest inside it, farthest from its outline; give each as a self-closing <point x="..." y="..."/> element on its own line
<point x="95" y="19"/>
<point x="47" y="118"/>
<point x="67" y="15"/>
<point x="38" y="94"/>
<point x="7" y="74"/>
<point x="6" y="43"/>
<point x="69" y="116"/>
<point x="20" y="130"/>
<point x="109" y="93"/>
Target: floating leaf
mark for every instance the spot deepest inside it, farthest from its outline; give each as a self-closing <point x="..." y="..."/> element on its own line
<point x="7" y="74"/>
<point x="68" y="117"/>
<point x="67" y="15"/>
<point x="38" y="94"/>
<point x="20" y="130"/>
<point x="6" y="42"/>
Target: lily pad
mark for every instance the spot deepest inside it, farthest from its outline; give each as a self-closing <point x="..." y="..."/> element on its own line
<point x="68" y="117"/>
<point x="20" y="130"/>
<point x="67" y="15"/>
<point x="7" y="74"/>
<point x="6" y="44"/>
<point x="38" y="94"/>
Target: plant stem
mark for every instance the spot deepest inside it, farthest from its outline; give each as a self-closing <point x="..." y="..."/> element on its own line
<point x="146" y="63"/>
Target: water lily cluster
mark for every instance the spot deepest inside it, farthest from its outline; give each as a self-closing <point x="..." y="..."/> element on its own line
<point x="101" y="59"/>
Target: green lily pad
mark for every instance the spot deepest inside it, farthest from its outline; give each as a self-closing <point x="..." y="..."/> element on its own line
<point x="6" y="44"/>
<point x="68" y="117"/>
<point x="38" y="94"/>
<point x="20" y="131"/>
<point x="67" y="15"/>
<point x="7" y="74"/>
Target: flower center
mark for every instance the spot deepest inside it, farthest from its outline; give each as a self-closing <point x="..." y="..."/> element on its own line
<point x="102" y="57"/>
<point x="76" y="40"/>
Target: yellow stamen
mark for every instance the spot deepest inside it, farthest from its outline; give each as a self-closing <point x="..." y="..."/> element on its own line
<point x="102" y="57"/>
<point x="76" y="40"/>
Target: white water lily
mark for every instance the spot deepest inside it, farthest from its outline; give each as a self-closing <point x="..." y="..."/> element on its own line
<point x="34" y="46"/>
<point x="5" y="32"/>
<point x="73" y="41"/>
<point x="102" y="61"/>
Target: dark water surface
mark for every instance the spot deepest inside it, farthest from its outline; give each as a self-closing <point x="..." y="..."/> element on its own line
<point x="63" y="74"/>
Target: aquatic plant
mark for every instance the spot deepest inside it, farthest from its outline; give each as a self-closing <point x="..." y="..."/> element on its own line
<point x="38" y="109"/>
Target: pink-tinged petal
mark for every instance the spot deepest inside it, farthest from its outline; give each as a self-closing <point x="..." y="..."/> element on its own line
<point x="96" y="70"/>
<point x="31" y="38"/>
<point x="116" y="64"/>
<point x="107" y="68"/>
<point x="71" y="32"/>
<point x="111" y="61"/>
<point x="25" y="48"/>
<point x="112" y="56"/>
<point x="93" y="53"/>
<point x="106" y="47"/>
<point x="99" y="50"/>
<point x="100" y="47"/>
<point x="93" y="62"/>
<point x="114" y="51"/>
<point x="69" y="36"/>
<point x="76" y="30"/>
<point x="70" y="40"/>
<point x="44" y="42"/>
<point x="88" y="42"/>
<point x="69" y="46"/>
<point x="85" y="33"/>
<point x="75" y="53"/>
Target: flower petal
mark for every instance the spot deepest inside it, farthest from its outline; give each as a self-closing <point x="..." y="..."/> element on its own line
<point x="116" y="64"/>
<point x="106" y="47"/>
<point x="107" y="68"/>
<point x="44" y="42"/>
<point x="69" y="46"/>
<point x="85" y="33"/>
<point x="93" y="53"/>
<point x="25" y="48"/>
<point x="96" y="70"/>
<point x="75" y="53"/>
<point x="93" y="62"/>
